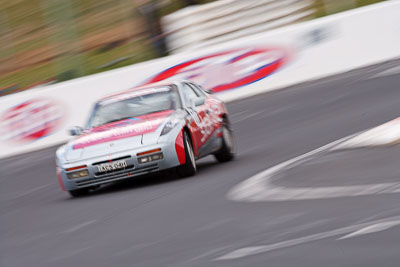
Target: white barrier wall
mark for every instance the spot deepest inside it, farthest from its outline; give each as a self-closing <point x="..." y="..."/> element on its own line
<point x="39" y="118"/>
<point x="200" y="26"/>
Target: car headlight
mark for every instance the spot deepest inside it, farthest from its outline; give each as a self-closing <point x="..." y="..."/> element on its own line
<point x="151" y="158"/>
<point x="78" y="174"/>
<point x="169" y="126"/>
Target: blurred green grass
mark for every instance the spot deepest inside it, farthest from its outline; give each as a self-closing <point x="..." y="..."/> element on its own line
<point x="36" y="46"/>
<point x="90" y="63"/>
<point x="330" y="7"/>
<point x="40" y="41"/>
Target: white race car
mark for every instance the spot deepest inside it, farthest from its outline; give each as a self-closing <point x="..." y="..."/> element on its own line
<point x="144" y="130"/>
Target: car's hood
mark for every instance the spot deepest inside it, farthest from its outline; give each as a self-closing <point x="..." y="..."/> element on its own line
<point x="114" y="137"/>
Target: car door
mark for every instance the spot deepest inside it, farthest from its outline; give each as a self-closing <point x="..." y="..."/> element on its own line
<point x="211" y="113"/>
<point x="197" y="114"/>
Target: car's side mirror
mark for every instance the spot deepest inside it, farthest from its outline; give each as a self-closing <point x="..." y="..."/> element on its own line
<point x="199" y="101"/>
<point x="75" y="130"/>
<point x="195" y="102"/>
<point x="192" y="105"/>
<point x="208" y="91"/>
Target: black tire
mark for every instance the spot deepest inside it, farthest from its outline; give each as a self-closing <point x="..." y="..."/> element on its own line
<point x="189" y="167"/>
<point x="79" y="192"/>
<point x="227" y="151"/>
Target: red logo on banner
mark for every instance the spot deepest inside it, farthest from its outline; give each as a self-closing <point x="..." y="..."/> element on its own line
<point x="228" y="70"/>
<point x="30" y="120"/>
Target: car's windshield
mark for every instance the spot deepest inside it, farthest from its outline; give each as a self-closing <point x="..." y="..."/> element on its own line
<point x="136" y="104"/>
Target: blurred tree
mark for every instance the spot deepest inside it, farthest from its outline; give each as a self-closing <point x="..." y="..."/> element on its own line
<point x="6" y="42"/>
<point x="61" y="20"/>
<point x="191" y="2"/>
<point x="151" y="13"/>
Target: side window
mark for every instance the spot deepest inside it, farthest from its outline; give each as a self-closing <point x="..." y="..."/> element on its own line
<point x="174" y="96"/>
<point x="198" y="91"/>
<point x="188" y="93"/>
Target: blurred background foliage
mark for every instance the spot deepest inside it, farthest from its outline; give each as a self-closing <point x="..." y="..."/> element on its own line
<point x="56" y="40"/>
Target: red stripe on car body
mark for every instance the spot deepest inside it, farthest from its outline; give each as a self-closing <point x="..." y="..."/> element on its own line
<point x="60" y="181"/>
<point x="180" y="148"/>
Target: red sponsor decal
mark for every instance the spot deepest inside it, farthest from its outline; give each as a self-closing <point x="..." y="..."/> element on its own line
<point x="31" y="120"/>
<point x="121" y="129"/>
<point x="229" y="69"/>
<point x="180" y="148"/>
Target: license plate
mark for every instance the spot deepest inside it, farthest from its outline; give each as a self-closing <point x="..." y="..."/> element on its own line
<point x="112" y="166"/>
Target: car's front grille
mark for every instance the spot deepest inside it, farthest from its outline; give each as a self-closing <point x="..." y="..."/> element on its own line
<point x="107" y="161"/>
<point x="102" y="174"/>
<point x="117" y="175"/>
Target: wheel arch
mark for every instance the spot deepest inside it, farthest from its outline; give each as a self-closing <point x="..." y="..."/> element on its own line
<point x="189" y="133"/>
<point x="225" y="118"/>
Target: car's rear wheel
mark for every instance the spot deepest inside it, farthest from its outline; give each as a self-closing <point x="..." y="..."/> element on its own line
<point x="189" y="167"/>
<point x="79" y="192"/>
<point x="227" y="151"/>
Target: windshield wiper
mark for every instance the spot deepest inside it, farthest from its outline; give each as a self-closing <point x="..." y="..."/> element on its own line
<point x="130" y="117"/>
<point x="120" y="119"/>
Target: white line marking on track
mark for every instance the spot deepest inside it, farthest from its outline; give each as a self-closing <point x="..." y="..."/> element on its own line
<point x="248" y="116"/>
<point x="78" y="227"/>
<point x="253" y="250"/>
<point x="68" y="254"/>
<point x="372" y="229"/>
<point x="30" y="191"/>
<point x="260" y="187"/>
<point x="238" y="113"/>
<point x="391" y="71"/>
<point x="387" y="133"/>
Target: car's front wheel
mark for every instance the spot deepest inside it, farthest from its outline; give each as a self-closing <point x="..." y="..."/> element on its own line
<point x="189" y="167"/>
<point x="79" y="192"/>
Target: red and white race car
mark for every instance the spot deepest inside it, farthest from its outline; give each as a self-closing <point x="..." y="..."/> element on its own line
<point x="147" y="129"/>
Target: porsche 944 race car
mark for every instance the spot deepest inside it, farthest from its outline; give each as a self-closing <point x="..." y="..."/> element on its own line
<point x="144" y="130"/>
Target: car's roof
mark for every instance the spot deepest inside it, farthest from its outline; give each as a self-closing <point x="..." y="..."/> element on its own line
<point x="140" y="90"/>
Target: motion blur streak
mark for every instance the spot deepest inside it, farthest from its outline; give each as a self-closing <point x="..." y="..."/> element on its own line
<point x="361" y="229"/>
<point x="166" y="221"/>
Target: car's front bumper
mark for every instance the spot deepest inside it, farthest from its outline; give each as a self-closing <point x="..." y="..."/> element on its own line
<point x="133" y="169"/>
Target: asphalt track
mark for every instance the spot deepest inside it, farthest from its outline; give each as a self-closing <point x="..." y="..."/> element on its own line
<point x="167" y="221"/>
